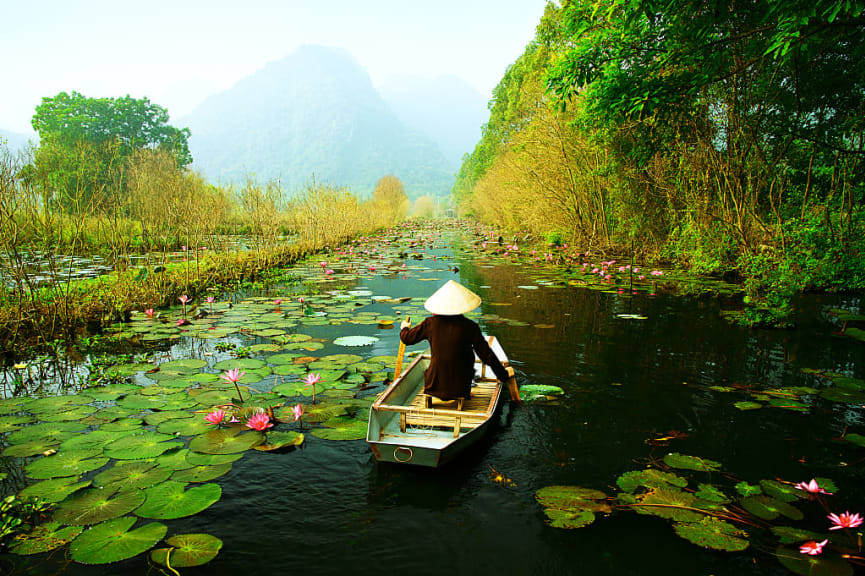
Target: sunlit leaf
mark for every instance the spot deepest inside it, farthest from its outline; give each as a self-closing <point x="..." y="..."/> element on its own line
<point x="112" y="541"/>
<point x="70" y="463"/>
<point x="225" y="441"/>
<point x="277" y="440"/>
<point x="187" y="550"/>
<point x="126" y="475"/>
<point x="650" y="478"/>
<point x="44" y="538"/>
<point x="676" y="460"/>
<point x="54" y="490"/>
<point x="712" y="533"/>
<point x="96" y="505"/>
<point x="171" y="500"/>
<point x="201" y="473"/>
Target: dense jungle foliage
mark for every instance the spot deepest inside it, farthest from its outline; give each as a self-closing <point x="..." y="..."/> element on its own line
<point x="727" y="136"/>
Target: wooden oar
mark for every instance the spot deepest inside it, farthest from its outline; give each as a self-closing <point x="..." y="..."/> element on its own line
<point x="512" y="387"/>
<point x="399" y="355"/>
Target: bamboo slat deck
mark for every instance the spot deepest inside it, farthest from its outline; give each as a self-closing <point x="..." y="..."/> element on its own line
<point x="475" y="409"/>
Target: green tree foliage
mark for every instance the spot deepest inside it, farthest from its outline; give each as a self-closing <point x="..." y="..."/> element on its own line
<point x="85" y="142"/>
<point x="727" y="135"/>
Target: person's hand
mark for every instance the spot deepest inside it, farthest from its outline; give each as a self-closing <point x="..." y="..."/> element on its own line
<point x="406" y="323"/>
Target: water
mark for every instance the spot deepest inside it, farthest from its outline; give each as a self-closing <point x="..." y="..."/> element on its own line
<point x="328" y="508"/>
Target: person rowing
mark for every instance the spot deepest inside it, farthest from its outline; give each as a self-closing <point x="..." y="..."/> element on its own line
<point x="454" y="341"/>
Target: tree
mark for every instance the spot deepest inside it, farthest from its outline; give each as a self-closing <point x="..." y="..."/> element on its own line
<point x="130" y="123"/>
<point x="85" y="144"/>
<point x="424" y="207"/>
<point x="390" y="200"/>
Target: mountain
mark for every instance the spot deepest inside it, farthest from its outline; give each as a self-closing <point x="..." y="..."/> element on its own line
<point x="447" y="109"/>
<point x="17" y="141"/>
<point x="313" y="114"/>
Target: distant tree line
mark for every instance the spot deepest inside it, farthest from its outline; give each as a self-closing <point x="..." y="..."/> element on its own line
<point x="725" y="135"/>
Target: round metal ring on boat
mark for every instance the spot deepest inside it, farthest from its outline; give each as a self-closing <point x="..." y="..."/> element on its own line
<point x="400" y="450"/>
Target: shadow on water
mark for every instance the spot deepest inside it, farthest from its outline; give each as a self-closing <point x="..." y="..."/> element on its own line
<point x="328" y="508"/>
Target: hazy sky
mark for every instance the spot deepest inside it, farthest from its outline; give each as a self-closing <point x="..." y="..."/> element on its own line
<point x="177" y="52"/>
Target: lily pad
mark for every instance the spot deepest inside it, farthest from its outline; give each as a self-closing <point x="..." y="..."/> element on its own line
<point x="30" y="448"/>
<point x="746" y="405"/>
<point x="807" y="565"/>
<point x="789" y="534"/>
<point x="711" y="493"/>
<point x="171" y="500"/>
<point x="226" y="441"/>
<point x="676" y="460"/>
<point x="568" y="519"/>
<point x="140" y="446"/>
<point x="112" y="541"/>
<point x="54" y="490"/>
<point x="534" y="392"/>
<point x="201" y="473"/>
<point x="279" y="439"/>
<point x="198" y="459"/>
<point x="95" y="440"/>
<point x="713" y="533"/>
<point x="46" y="432"/>
<point x="668" y="502"/>
<point x="769" y="508"/>
<point x="126" y="475"/>
<point x="95" y="505"/>
<point x="70" y="463"/>
<point x="650" y="478"/>
<point x="783" y="492"/>
<point x="353" y="341"/>
<point x="857" y="439"/>
<point x="44" y="538"/>
<point x="187" y="550"/>
<point x="241" y="364"/>
<point x="342" y="428"/>
<point x="746" y="489"/>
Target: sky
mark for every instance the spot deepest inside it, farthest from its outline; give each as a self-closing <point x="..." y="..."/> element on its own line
<point x="177" y="52"/>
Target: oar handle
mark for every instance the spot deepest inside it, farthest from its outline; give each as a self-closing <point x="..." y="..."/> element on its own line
<point x="400" y="354"/>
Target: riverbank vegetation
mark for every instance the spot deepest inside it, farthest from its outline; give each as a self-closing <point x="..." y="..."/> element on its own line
<point x="161" y="229"/>
<point x="727" y="138"/>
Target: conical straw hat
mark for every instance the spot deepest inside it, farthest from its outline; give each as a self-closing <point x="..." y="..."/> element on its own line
<point x="451" y="299"/>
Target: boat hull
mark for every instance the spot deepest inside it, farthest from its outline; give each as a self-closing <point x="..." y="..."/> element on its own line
<point x="403" y="430"/>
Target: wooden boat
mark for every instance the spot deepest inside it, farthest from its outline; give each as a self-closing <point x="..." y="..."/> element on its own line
<point x="409" y="427"/>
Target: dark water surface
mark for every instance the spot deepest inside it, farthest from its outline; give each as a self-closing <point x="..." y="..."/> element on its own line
<point x="328" y="508"/>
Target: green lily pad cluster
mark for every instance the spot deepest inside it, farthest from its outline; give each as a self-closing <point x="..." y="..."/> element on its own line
<point x="708" y="514"/>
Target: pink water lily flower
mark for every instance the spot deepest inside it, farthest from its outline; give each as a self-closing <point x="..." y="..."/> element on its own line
<point x="149" y="312"/>
<point x="259" y="421"/>
<point x="210" y="299"/>
<point x="298" y="412"/>
<point x="233" y="376"/>
<point x="216" y="417"/>
<point x="311" y="380"/>
<point x="812" y="547"/>
<point x="812" y="487"/>
<point x="328" y="271"/>
<point x="278" y="301"/>
<point x="845" y="520"/>
<point x="183" y="298"/>
<point x="323" y="264"/>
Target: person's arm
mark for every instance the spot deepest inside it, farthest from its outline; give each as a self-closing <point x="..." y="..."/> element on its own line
<point x="488" y="357"/>
<point x="414" y="335"/>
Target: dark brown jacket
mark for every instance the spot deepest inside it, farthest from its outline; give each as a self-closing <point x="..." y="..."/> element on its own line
<point x="454" y="341"/>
